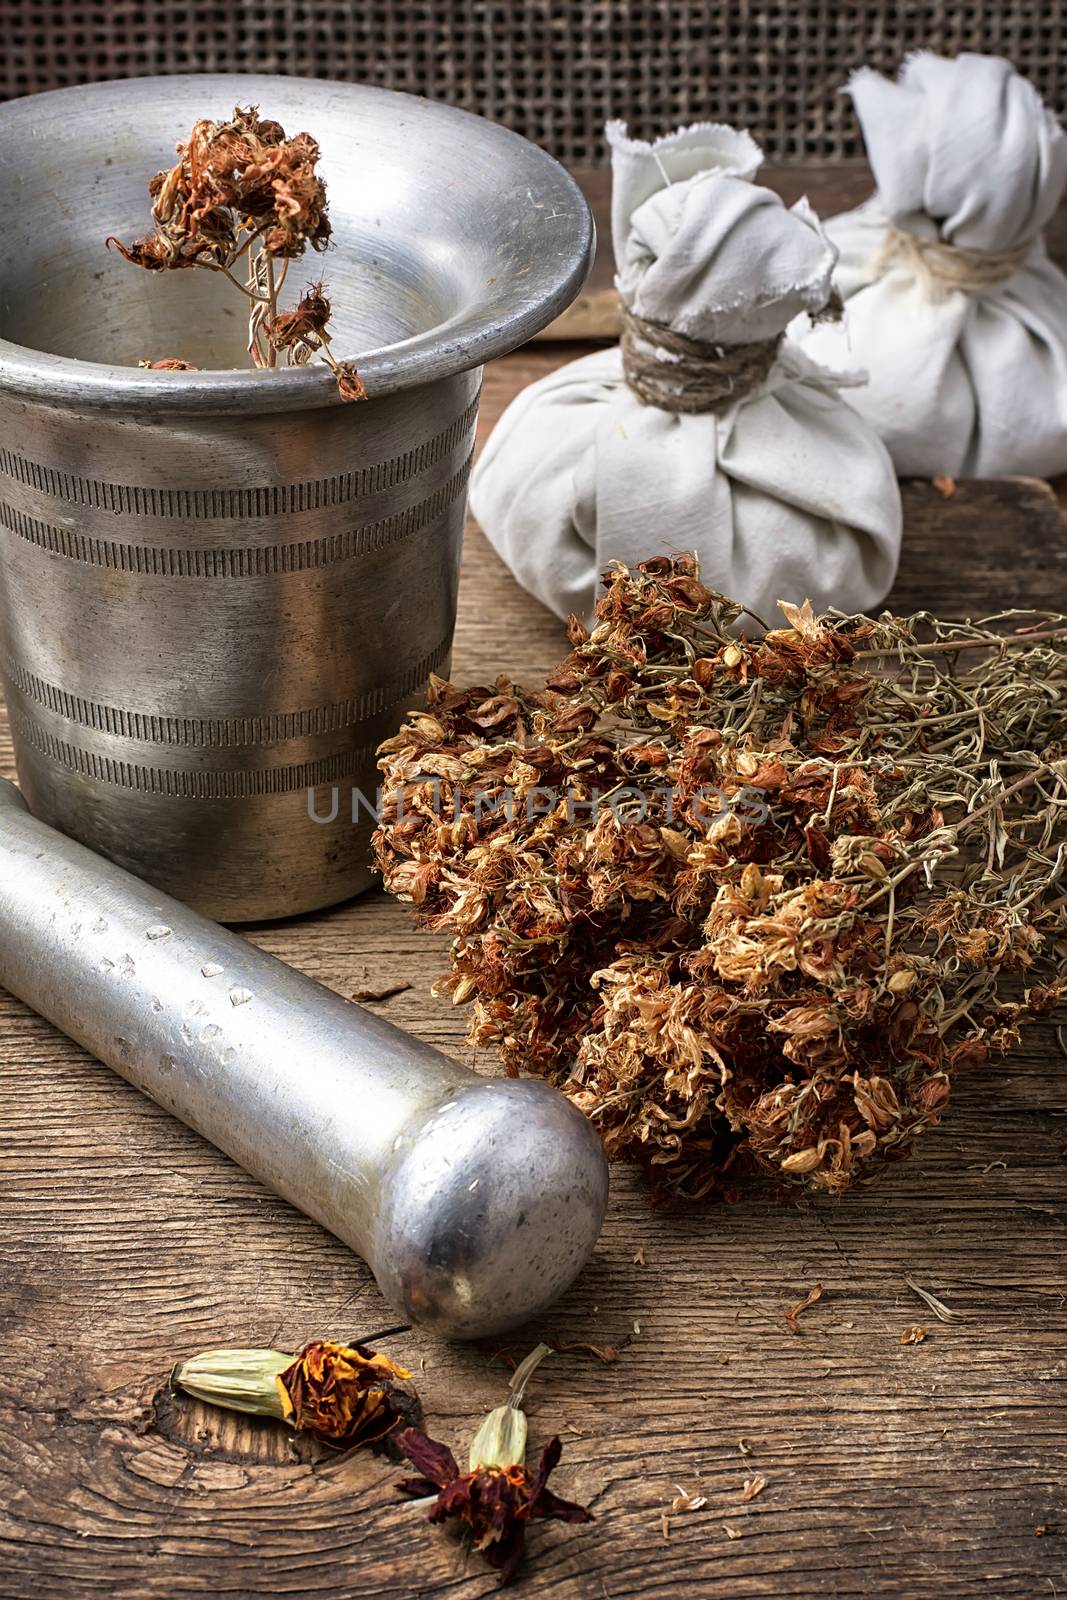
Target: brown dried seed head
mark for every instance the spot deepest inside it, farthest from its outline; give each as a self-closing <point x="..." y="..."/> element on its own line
<point x="801" y="1161"/>
<point x="349" y="383"/>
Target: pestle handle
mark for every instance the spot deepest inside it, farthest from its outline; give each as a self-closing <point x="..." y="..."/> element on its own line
<point x="474" y="1201"/>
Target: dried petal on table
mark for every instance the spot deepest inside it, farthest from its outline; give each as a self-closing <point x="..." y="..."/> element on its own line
<point x="813" y="1294"/>
<point x="684" y="1501"/>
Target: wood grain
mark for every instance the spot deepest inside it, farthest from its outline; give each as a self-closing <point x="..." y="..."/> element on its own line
<point x="914" y="1471"/>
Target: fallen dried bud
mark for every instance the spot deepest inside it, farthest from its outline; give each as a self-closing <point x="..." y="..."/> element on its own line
<point x="239" y="1380"/>
<point x="498" y="1496"/>
<point x="341" y="1394"/>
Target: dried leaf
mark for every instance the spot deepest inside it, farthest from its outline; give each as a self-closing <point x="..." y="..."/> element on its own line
<point x="938" y="1307"/>
<point x="608" y="1353"/>
<point x="753" y="1487"/>
<point x="684" y="1501"/>
<point x="813" y="1294"/>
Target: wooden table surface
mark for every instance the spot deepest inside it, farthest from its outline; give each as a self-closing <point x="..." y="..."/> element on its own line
<point x="932" y="1469"/>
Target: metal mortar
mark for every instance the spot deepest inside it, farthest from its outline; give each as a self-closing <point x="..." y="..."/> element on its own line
<point x="219" y="589"/>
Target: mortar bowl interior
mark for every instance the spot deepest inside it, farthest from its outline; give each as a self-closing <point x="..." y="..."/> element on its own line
<point x="453" y="240"/>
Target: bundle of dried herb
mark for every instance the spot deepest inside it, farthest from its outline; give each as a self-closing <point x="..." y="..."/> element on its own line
<point x="243" y="189"/>
<point x="750" y="904"/>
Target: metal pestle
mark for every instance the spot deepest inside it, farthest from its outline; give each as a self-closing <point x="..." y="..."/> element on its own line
<point x="474" y="1201"/>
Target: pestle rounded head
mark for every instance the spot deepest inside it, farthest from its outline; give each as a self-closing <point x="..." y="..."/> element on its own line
<point x="490" y="1209"/>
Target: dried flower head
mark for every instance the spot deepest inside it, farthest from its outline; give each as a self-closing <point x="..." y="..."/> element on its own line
<point x="242" y="188"/>
<point x="494" y="1503"/>
<point x="232" y="179"/>
<point x="495" y="1499"/>
<point x="350" y="385"/>
<point x="751" y="904"/>
<point x="341" y="1394"/>
<point x="168" y="364"/>
<point x="304" y="325"/>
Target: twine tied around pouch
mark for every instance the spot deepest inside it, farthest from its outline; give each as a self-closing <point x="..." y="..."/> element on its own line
<point x="939" y="267"/>
<point x="667" y="369"/>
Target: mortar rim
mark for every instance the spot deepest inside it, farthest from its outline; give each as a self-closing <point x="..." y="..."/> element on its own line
<point x="479" y="335"/>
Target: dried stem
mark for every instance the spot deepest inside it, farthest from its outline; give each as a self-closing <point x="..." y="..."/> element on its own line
<point x="983" y="641"/>
<point x="272" y="305"/>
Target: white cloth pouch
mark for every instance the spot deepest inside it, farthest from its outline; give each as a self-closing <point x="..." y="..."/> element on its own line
<point x="965" y="347"/>
<point x="782" y="490"/>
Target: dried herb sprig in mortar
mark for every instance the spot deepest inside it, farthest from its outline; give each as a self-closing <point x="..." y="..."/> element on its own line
<point x="750" y="904"/>
<point x="243" y="189"/>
